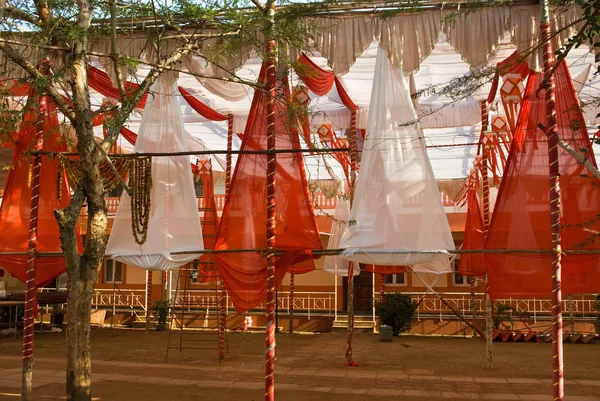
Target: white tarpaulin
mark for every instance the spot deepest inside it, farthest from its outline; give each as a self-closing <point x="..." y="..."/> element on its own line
<point x="174" y="223"/>
<point x="397" y="206"/>
<point x="335" y="264"/>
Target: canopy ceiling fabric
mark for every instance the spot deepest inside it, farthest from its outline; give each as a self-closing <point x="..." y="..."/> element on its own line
<point x="521" y="218"/>
<point x="397" y="205"/>
<point x="408" y="38"/>
<point x="174" y="223"/>
<point x="16" y="203"/>
<point x="244" y="219"/>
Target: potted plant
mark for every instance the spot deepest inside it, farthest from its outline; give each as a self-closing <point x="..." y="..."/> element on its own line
<point x="160" y="311"/>
<point x="58" y="315"/>
<point x="395" y="315"/>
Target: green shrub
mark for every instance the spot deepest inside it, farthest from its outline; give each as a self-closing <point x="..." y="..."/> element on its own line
<point x="397" y="312"/>
<point x="160" y="311"/>
<point x="502" y="314"/>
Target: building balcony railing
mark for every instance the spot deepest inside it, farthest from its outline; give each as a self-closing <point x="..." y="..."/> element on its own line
<point x="321" y="201"/>
<point x="324" y="303"/>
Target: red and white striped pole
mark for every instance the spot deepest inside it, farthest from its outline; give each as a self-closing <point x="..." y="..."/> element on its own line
<point x="553" y="167"/>
<point x="228" y="157"/>
<point x="148" y="299"/>
<point x="489" y="346"/>
<point x="291" y="303"/>
<point x="31" y="289"/>
<point x="271" y="70"/>
<point x="382" y="287"/>
<point x="222" y="320"/>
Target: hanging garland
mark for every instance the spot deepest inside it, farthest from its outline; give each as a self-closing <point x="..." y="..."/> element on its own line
<point x="73" y="169"/>
<point x="140" y="182"/>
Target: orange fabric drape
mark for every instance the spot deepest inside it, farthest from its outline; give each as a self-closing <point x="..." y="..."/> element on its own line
<point x="385" y="269"/>
<point x="201" y="108"/>
<point x="99" y="81"/>
<point x="320" y="81"/>
<point x="16" y="204"/>
<point x="521" y="217"/>
<point x="473" y="264"/>
<point x="243" y="222"/>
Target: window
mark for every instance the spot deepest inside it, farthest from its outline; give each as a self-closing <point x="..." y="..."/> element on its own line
<point x="193" y="272"/>
<point x="458" y="279"/>
<point x="398" y="278"/>
<point x="199" y="187"/>
<point x="113" y="271"/>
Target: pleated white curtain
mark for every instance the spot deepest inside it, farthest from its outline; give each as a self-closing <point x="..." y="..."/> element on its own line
<point x="397" y="205"/>
<point x="174" y="223"/>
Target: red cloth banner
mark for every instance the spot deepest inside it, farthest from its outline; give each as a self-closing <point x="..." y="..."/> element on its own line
<point x="243" y="223"/>
<point x="521" y="217"/>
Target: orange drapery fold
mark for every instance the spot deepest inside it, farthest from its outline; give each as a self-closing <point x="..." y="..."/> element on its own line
<point x="243" y="223"/>
<point x="521" y="217"/>
<point x="16" y="203"/>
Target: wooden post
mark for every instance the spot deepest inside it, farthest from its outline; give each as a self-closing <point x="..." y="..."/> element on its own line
<point x="489" y="346"/>
<point x="291" y="304"/>
<point x="353" y="165"/>
<point x="553" y="167"/>
<point x="271" y="69"/>
<point x="31" y="289"/>
<point x="228" y="156"/>
<point x="148" y="299"/>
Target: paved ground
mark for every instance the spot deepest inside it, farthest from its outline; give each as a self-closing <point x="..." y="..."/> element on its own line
<point x="129" y="365"/>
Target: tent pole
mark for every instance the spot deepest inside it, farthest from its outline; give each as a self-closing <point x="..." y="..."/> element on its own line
<point x="271" y="82"/>
<point x="552" y="134"/>
<point x="353" y="165"/>
<point x="228" y="156"/>
<point x="222" y="318"/>
<point x="148" y="298"/>
<point x="489" y="347"/>
<point x="31" y="290"/>
<point x="291" y="303"/>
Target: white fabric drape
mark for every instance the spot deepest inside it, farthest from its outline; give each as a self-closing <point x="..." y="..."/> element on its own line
<point x="336" y="264"/>
<point x="397" y="204"/>
<point x="524" y="25"/>
<point x="475" y="35"/>
<point x="174" y="223"/>
<point x="230" y="91"/>
<point x="342" y="40"/>
<point x="127" y="45"/>
<point x="408" y="38"/>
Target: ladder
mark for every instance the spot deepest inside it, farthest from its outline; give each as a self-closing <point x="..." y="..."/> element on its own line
<point x="197" y="316"/>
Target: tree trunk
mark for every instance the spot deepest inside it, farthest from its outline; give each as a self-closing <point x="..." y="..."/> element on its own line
<point x="79" y="361"/>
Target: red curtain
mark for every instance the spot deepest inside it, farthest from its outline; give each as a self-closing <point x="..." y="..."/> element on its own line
<point x="243" y="223"/>
<point x="99" y="81"/>
<point x="320" y="81"/>
<point x="385" y="269"/>
<point x="201" y="108"/>
<point x="521" y="217"/>
<point x="473" y="264"/>
<point x="16" y="205"/>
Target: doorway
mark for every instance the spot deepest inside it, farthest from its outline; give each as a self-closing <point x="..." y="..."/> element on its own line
<point x="363" y="292"/>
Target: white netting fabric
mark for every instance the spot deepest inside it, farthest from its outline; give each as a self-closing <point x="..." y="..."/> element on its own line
<point x="397" y="205"/>
<point x="335" y="264"/>
<point x="174" y="224"/>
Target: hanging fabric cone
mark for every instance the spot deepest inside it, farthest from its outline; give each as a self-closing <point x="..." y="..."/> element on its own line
<point x="335" y="264"/>
<point x="243" y="223"/>
<point x="174" y="224"/>
<point x="473" y="264"/>
<point x="397" y="205"/>
<point x="521" y="217"/>
<point x="16" y="203"/>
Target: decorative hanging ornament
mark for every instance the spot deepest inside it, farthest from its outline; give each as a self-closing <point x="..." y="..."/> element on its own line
<point x="499" y="124"/>
<point x="300" y="95"/>
<point x="325" y="133"/>
<point x="477" y="165"/>
<point x="512" y="88"/>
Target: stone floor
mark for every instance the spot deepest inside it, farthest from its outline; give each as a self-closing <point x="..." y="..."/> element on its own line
<point x="309" y="369"/>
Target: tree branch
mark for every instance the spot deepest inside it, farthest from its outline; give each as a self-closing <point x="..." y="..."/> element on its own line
<point x="35" y="46"/>
<point x="18" y="59"/>
<point x="113" y="48"/>
<point x="260" y="5"/>
<point x="17" y="13"/>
